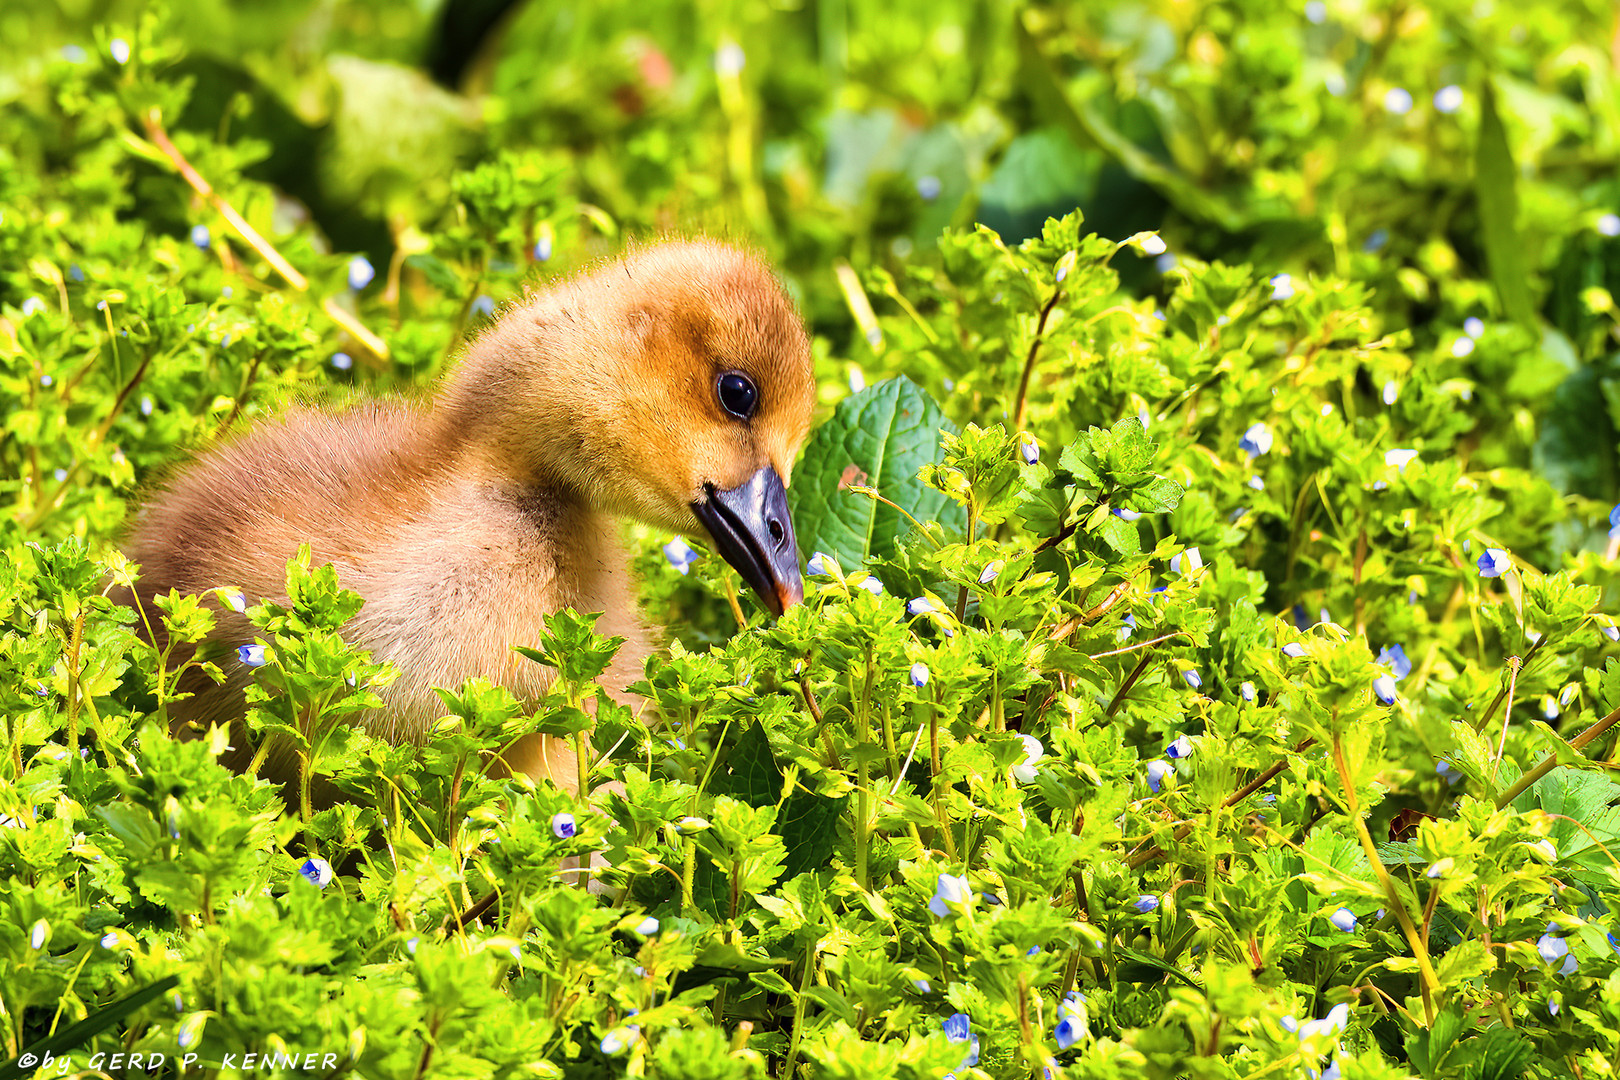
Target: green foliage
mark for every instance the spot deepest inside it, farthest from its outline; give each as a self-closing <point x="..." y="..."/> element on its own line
<point x="1150" y="658"/>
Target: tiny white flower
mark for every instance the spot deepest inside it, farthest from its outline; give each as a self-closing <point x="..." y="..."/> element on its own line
<point x="1282" y="287"/>
<point x="1474" y="326"/>
<point x="1609" y="225"/>
<point x="1391" y="392"/>
<point x="119" y="48"/>
<point x="1400" y="459"/>
<point x="1316" y="12"/>
<point x="647" y="927"/>
<point x="360" y="272"/>
<point x="1448" y="99"/>
<point x="1193" y="562"/>
<point x="1153" y="245"/>
<point x="1398" y="101"/>
<point x="919" y="674"/>
<point x="1024" y="772"/>
<point x="1462" y="347"/>
<point x="951" y="889"/>
<point x="729" y="59"/>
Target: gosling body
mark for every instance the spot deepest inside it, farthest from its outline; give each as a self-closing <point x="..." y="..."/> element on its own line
<point x="465" y="519"/>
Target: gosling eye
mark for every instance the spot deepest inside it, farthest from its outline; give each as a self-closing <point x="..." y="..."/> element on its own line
<point x="737" y="394"/>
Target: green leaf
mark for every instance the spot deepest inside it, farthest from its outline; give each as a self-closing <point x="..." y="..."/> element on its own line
<point x="1504" y="1055"/>
<point x="1495" y="187"/>
<point x="91" y="1026"/>
<point x="879" y="437"/>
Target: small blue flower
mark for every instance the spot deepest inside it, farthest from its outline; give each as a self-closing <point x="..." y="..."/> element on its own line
<point x="919" y="674"/>
<point x="1070" y="1030"/>
<point x="1553" y="949"/>
<point x="1247" y="690"/>
<point x="1399" y="459"/>
<point x="1293" y="649"/>
<point x="200" y="237"/>
<point x="1394" y="658"/>
<point x="542" y="247"/>
<point x="817" y="566"/>
<point x="1448" y="99"/>
<point x="73" y="54"/>
<point x="1448" y="772"/>
<point x="484" y="305"/>
<point x="1614" y="522"/>
<point x="563" y="827"/>
<point x="1157" y="772"/>
<point x="251" y="655"/>
<point x="1180" y="749"/>
<point x="342" y="361"/>
<point x="922" y="986"/>
<point x="1029" y="448"/>
<point x="1493" y="562"/>
<point x="1384" y="687"/>
<point x="1474" y="327"/>
<point x="921" y="605"/>
<point x="990" y="572"/>
<point x="949" y="890"/>
<point x="872" y="585"/>
<point x="1398" y="101"/>
<point x="1127" y="626"/>
<point x="1194" y="680"/>
<point x="119" y="48"/>
<point x="1146" y="903"/>
<point x="360" y="272"/>
<point x="1392" y="393"/>
<point x="1124" y="514"/>
<point x="680" y="555"/>
<point x="39" y="935"/>
<point x="1256" y="440"/>
<point x="1194" y="561"/>
<point x="109" y="940"/>
<point x="929" y="187"/>
<point x="1612" y="633"/>
<point x="1555" y="1003"/>
<point x="317" y="872"/>
<point x="647" y="927"/>
<point x="1344" y="919"/>
<point x="956" y="1027"/>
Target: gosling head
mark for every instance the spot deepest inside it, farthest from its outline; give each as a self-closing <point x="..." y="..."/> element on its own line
<point x="673" y="386"/>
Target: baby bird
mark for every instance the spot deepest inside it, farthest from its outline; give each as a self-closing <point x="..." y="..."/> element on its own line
<point x="672" y="386"/>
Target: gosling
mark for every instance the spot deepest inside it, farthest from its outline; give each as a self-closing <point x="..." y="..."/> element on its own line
<point x="672" y="386"/>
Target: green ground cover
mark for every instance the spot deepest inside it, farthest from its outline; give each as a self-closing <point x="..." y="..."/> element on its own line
<point x="1207" y="669"/>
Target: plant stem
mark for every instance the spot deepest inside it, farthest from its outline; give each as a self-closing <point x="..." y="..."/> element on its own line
<point x="1427" y="979"/>
<point x="1130" y="681"/>
<point x="1021" y="407"/>
<point x="73" y="684"/>
<point x="1550" y="762"/>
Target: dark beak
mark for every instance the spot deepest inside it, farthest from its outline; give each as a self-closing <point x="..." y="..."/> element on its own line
<point x="753" y="532"/>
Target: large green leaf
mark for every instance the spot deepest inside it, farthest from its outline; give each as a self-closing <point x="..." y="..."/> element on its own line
<point x="1495" y="181"/>
<point x="879" y="437"/>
